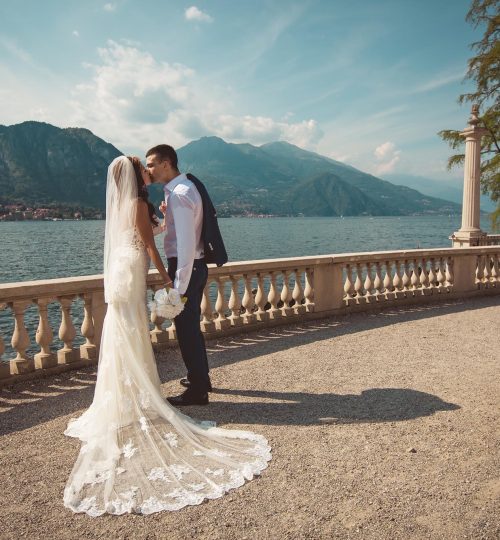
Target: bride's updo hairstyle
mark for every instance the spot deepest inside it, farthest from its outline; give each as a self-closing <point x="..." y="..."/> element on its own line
<point x="142" y="192"/>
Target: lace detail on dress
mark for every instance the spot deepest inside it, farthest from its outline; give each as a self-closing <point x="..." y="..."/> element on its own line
<point x="180" y="476"/>
<point x="137" y="242"/>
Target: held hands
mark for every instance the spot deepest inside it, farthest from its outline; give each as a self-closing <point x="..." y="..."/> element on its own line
<point x="163" y="207"/>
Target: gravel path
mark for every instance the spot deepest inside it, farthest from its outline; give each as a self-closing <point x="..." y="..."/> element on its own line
<point x="383" y="426"/>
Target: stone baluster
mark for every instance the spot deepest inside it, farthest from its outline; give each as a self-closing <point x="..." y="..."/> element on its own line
<point x="348" y="286"/>
<point x="479" y="270"/>
<point x="449" y="273"/>
<point x="158" y="333"/>
<point x="286" y="295"/>
<point x="388" y="282"/>
<point x="261" y="299"/>
<point x="309" y="290"/>
<point x="273" y="298"/>
<point x="440" y="275"/>
<point x="235" y="304"/>
<point x="45" y="358"/>
<point x="298" y="294"/>
<point x="424" y="278"/>
<point x="415" y="277"/>
<point x="22" y="363"/>
<point x="494" y="269"/>
<point x="207" y="324"/>
<point x="88" y="351"/>
<point x="358" y="286"/>
<point x="4" y="366"/>
<point x="432" y="275"/>
<point x="377" y="282"/>
<point x="396" y="281"/>
<point x="368" y="284"/>
<point x="221" y="322"/>
<point x="248" y="301"/>
<point x="67" y="333"/>
<point x="405" y="280"/>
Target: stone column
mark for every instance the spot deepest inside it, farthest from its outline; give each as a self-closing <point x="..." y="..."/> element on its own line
<point x="470" y="233"/>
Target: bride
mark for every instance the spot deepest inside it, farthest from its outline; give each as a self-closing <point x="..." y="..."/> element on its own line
<point x="139" y="454"/>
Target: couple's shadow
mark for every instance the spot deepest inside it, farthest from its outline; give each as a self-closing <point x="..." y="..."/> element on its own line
<point x="302" y="408"/>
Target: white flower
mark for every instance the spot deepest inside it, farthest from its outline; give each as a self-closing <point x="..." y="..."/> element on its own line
<point x="174" y="297"/>
<point x="129" y="449"/>
<point x="167" y="304"/>
<point x="171" y="438"/>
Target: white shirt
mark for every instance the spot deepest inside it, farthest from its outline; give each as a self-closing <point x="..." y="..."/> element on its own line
<point x="184" y="223"/>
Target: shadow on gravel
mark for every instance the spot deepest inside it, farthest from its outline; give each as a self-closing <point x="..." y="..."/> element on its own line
<point x="31" y="403"/>
<point x="301" y="408"/>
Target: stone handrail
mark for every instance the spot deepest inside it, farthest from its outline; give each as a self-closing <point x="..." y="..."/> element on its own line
<point x="242" y="296"/>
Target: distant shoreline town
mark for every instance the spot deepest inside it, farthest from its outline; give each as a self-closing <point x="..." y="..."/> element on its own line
<point x="22" y="212"/>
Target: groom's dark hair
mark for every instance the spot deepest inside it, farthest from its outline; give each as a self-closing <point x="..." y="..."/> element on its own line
<point x="164" y="152"/>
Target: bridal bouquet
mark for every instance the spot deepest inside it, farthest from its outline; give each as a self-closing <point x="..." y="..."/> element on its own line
<point x="167" y="303"/>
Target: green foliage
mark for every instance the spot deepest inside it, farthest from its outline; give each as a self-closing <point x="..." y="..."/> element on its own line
<point x="484" y="71"/>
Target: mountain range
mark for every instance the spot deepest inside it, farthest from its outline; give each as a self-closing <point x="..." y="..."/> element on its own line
<point x="44" y="164"/>
<point x="450" y="190"/>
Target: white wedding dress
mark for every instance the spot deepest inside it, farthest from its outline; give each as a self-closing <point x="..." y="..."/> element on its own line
<point x="140" y="454"/>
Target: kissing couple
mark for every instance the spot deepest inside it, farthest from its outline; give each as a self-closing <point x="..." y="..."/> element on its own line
<point x="139" y="453"/>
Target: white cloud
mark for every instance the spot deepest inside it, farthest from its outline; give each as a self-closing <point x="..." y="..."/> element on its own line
<point x="109" y="7"/>
<point x="76" y="33"/>
<point x="15" y="50"/>
<point x="384" y="150"/>
<point x="439" y="81"/>
<point x="135" y="101"/>
<point x="194" y="14"/>
<point x="387" y="157"/>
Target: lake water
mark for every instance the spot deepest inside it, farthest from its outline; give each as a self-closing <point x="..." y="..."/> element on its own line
<point x="49" y="249"/>
<point x="32" y="250"/>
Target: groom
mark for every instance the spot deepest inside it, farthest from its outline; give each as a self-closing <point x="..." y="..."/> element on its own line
<point x="184" y="249"/>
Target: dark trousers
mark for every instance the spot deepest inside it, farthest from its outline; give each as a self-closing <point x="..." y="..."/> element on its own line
<point x="187" y="325"/>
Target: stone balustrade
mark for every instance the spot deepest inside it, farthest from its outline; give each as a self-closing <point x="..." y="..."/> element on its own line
<point x="492" y="240"/>
<point x="242" y="296"/>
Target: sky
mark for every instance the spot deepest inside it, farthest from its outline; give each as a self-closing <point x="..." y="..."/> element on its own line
<point x="366" y="82"/>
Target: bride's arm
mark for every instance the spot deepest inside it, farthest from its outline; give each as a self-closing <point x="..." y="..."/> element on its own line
<point x="143" y="225"/>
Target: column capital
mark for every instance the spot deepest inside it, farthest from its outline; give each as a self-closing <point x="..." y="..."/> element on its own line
<point x="473" y="128"/>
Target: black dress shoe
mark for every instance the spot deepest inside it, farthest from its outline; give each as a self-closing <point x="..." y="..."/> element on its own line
<point x="189" y="397"/>
<point x="187" y="383"/>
